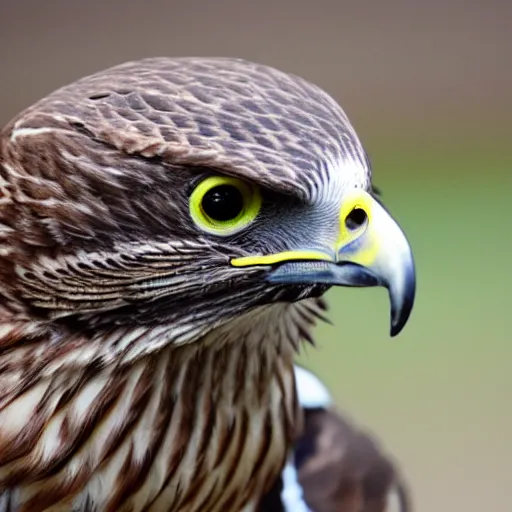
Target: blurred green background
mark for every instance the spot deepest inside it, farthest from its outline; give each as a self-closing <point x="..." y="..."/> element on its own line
<point x="428" y="87"/>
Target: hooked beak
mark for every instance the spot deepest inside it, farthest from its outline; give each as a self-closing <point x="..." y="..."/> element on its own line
<point x="371" y="250"/>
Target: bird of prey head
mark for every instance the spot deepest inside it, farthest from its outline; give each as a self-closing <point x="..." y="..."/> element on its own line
<point x="167" y="230"/>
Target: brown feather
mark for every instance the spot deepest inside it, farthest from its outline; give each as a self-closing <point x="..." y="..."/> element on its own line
<point x="344" y="469"/>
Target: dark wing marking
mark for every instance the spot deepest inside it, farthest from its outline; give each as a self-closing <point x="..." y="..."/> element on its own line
<point x="339" y="467"/>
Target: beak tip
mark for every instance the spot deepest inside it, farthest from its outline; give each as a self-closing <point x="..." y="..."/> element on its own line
<point x="396" y="329"/>
<point x="397" y="326"/>
<point x="400" y="315"/>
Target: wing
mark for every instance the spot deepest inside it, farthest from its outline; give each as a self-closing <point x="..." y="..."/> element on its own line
<point x="335" y="467"/>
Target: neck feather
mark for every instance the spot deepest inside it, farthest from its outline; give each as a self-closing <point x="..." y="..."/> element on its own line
<point x="186" y="417"/>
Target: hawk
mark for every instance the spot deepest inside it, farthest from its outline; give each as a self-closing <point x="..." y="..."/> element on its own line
<point x="168" y="228"/>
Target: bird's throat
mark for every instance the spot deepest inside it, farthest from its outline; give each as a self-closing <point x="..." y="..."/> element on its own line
<point x="213" y="418"/>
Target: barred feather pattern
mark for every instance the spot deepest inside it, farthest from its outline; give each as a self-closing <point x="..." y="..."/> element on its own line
<point x="200" y="427"/>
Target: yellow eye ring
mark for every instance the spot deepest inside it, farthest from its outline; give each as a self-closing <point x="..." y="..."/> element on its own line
<point x="223" y="205"/>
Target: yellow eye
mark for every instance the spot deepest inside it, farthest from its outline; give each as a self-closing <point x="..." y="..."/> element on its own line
<point x="223" y="205"/>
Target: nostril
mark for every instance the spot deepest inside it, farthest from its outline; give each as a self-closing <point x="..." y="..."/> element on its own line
<point x="355" y="219"/>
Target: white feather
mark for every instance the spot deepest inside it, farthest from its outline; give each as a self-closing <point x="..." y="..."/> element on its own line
<point x="291" y="494"/>
<point x="311" y="391"/>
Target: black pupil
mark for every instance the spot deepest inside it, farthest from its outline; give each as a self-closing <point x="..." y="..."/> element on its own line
<point x="223" y="203"/>
<point x="355" y="219"/>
